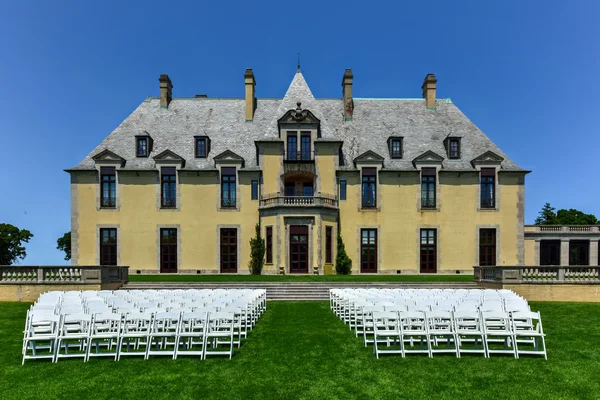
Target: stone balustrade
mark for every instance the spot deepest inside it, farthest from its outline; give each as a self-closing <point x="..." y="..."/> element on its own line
<point x="544" y="274"/>
<point x="275" y="200"/>
<point x="46" y="274"/>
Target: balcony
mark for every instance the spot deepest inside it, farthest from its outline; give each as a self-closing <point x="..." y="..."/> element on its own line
<point x="299" y="156"/>
<point x="488" y="202"/>
<point x="276" y="200"/>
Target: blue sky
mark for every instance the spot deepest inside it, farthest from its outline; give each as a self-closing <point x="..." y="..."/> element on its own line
<point x="526" y="72"/>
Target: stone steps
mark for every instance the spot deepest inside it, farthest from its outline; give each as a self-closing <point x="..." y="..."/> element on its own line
<point x="298" y="291"/>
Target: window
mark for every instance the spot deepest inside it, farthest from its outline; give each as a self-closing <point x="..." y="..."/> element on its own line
<point x="328" y="244"/>
<point x="368" y="250"/>
<point x="454" y="148"/>
<point x="201" y="147"/>
<point x="428" y="251"/>
<point x="108" y="181"/>
<point x="343" y="189"/>
<point x="168" y="250"/>
<point x="305" y="146"/>
<point x="168" y="188"/>
<point x="142" y="147"/>
<point x="428" y="188"/>
<point x="228" y="250"/>
<point x="307" y="189"/>
<point x="269" y="245"/>
<point x="292" y="146"/>
<point x="579" y="252"/>
<point x="254" y="190"/>
<point x="396" y="148"/>
<point x="108" y="246"/>
<point x="228" y="187"/>
<point x="289" y="189"/>
<point x="488" y="189"/>
<point x="487" y="247"/>
<point x="369" y="187"/>
<point x="550" y="252"/>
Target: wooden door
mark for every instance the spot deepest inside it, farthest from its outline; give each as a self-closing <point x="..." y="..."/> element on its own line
<point x="228" y="250"/>
<point x="298" y="249"/>
<point x="428" y="251"/>
<point x="168" y="250"/>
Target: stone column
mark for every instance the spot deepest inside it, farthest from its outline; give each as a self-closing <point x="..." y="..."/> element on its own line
<point x="594" y="253"/>
<point x="564" y="252"/>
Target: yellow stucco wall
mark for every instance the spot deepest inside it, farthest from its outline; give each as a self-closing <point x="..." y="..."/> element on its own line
<point x="530" y="252"/>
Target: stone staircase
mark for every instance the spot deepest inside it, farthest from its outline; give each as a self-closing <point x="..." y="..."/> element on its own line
<point x="298" y="291"/>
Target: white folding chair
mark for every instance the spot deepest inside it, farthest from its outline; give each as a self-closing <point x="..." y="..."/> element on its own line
<point x="440" y="331"/>
<point x="41" y="331"/>
<point x="190" y="338"/>
<point x="163" y="334"/>
<point x="527" y="332"/>
<point x="468" y="329"/>
<point x="105" y="335"/>
<point x="497" y="328"/>
<point x="219" y="330"/>
<point x="134" y="334"/>
<point x="413" y="329"/>
<point x="386" y="332"/>
<point x="73" y="336"/>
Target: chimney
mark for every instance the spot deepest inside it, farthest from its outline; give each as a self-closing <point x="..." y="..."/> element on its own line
<point x="166" y="88"/>
<point x="428" y="87"/>
<point x="347" y="94"/>
<point x="250" y="96"/>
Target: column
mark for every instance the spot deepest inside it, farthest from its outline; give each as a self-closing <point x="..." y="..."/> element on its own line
<point x="564" y="252"/>
<point x="594" y="252"/>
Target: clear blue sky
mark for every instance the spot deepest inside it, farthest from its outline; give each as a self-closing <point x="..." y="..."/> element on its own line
<point x="526" y="72"/>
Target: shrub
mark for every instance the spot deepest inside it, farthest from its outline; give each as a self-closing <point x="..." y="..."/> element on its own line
<point x="343" y="263"/>
<point x="257" y="253"/>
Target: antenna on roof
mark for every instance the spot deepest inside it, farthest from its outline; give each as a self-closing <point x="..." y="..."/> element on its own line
<point x="298" y="62"/>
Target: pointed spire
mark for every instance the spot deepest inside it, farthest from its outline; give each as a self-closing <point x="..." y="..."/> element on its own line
<point x="298" y="70"/>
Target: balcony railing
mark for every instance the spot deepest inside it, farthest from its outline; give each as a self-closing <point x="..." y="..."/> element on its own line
<point x="108" y="202"/>
<point x="45" y="274"/>
<point x="576" y="229"/>
<point x="302" y="155"/>
<point x="538" y="274"/>
<point x="275" y="200"/>
<point x="427" y="203"/>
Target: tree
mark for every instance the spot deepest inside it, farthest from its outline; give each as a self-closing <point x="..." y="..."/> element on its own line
<point x="564" y="217"/>
<point x="64" y="244"/>
<point x="343" y="263"/>
<point x="546" y="216"/>
<point x="11" y="243"/>
<point x="257" y="253"/>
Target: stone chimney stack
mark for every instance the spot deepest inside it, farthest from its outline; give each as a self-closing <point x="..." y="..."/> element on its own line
<point x="347" y="94"/>
<point x="429" y="85"/>
<point x="166" y="88"/>
<point x="250" y="94"/>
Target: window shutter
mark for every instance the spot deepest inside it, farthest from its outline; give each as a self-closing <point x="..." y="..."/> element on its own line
<point x="488" y="171"/>
<point x="369" y="171"/>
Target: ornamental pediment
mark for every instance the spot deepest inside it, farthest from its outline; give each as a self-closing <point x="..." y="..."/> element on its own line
<point x="368" y="156"/>
<point x="488" y="157"/>
<point x="429" y="157"/>
<point x="168" y="155"/>
<point x="108" y="156"/>
<point x="298" y="116"/>
<point x="229" y="156"/>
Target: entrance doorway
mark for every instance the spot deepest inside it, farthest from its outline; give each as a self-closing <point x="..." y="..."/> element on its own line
<point x="298" y="249"/>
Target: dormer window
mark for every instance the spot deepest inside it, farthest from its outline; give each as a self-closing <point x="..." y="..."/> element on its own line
<point x="395" y="144"/>
<point x="453" y="148"/>
<point x="201" y="146"/>
<point x="142" y="146"/>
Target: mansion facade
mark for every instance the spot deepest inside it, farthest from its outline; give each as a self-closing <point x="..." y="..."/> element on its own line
<point x="410" y="185"/>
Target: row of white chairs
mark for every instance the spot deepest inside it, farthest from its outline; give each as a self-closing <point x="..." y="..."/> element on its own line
<point x="474" y="329"/>
<point x="51" y="333"/>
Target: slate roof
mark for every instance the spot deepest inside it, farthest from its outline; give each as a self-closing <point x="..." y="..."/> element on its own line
<point x="223" y="121"/>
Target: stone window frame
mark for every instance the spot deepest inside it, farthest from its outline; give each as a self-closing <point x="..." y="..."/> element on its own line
<point x="117" y="166"/>
<point x="229" y="164"/>
<point x="298" y="130"/>
<point x="359" y="228"/>
<point x="378" y="200"/>
<point x="108" y="226"/>
<point x="179" y="246"/>
<point x="438" y="188"/>
<point x="311" y="223"/>
<point x="496" y="166"/>
<point x="498" y="242"/>
<point x="438" y="244"/>
<point x="238" y="228"/>
<point x="177" y="165"/>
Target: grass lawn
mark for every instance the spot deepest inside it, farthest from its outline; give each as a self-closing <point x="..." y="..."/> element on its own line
<point x="300" y="278"/>
<point x="301" y="350"/>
